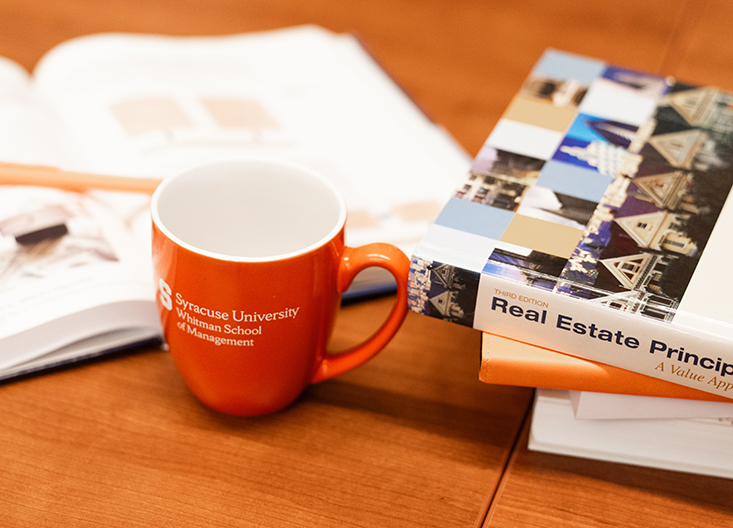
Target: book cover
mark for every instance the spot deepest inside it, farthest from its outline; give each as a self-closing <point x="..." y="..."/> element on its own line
<point x="508" y="362"/>
<point x="593" y="222"/>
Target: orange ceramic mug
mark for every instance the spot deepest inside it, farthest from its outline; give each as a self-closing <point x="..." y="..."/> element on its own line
<point x="250" y="263"/>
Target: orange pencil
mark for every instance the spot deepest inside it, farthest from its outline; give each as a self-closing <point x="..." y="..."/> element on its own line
<point x="43" y="176"/>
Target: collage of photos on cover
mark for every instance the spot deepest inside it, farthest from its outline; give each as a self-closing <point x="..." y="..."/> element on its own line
<point x="668" y="181"/>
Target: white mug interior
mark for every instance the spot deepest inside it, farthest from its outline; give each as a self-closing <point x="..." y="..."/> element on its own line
<point x="248" y="209"/>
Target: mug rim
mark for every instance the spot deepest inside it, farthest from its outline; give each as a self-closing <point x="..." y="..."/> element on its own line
<point x="255" y="160"/>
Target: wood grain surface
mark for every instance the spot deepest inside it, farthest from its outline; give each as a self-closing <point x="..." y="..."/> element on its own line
<point x="409" y="439"/>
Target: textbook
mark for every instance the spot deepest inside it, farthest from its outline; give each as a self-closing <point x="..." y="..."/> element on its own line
<point x="75" y="276"/>
<point x="508" y="362"/>
<point x="690" y="445"/>
<point x="595" y="221"/>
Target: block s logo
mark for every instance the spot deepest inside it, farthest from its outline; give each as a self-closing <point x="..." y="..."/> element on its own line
<point x="165" y="294"/>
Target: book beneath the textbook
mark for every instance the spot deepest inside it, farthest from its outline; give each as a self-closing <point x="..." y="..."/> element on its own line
<point x="75" y="276"/>
<point x="588" y="405"/>
<point x="506" y="361"/>
<point x="595" y="221"/>
<point x="691" y="445"/>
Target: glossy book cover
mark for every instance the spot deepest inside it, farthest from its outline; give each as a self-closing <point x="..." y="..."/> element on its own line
<point x="592" y="221"/>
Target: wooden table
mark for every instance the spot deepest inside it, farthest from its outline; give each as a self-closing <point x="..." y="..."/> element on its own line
<point x="409" y="439"/>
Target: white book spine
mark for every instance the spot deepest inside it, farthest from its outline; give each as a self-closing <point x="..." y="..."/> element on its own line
<point x="666" y="350"/>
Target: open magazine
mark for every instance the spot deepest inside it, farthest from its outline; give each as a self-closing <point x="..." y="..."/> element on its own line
<point x="151" y="106"/>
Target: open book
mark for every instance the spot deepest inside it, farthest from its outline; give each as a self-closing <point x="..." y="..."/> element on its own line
<point x="74" y="267"/>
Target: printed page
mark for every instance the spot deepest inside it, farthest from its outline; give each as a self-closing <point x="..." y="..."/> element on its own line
<point x="70" y="268"/>
<point x="64" y="255"/>
<point x="149" y="105"/>
<point x="29" y="132"/>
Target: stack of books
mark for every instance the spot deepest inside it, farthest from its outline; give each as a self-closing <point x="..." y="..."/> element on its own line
<point x="589" y="241"/>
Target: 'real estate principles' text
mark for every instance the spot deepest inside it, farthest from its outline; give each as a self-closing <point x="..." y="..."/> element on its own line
<point x="616" y="337"/>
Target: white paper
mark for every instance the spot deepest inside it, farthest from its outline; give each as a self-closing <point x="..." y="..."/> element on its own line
<point x="601" y="406"/>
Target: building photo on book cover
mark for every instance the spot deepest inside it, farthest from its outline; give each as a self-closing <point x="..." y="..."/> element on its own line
<point x="598" y="184"/>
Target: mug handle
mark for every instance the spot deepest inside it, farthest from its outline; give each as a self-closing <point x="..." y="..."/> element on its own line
<point x="353" y="261"/>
